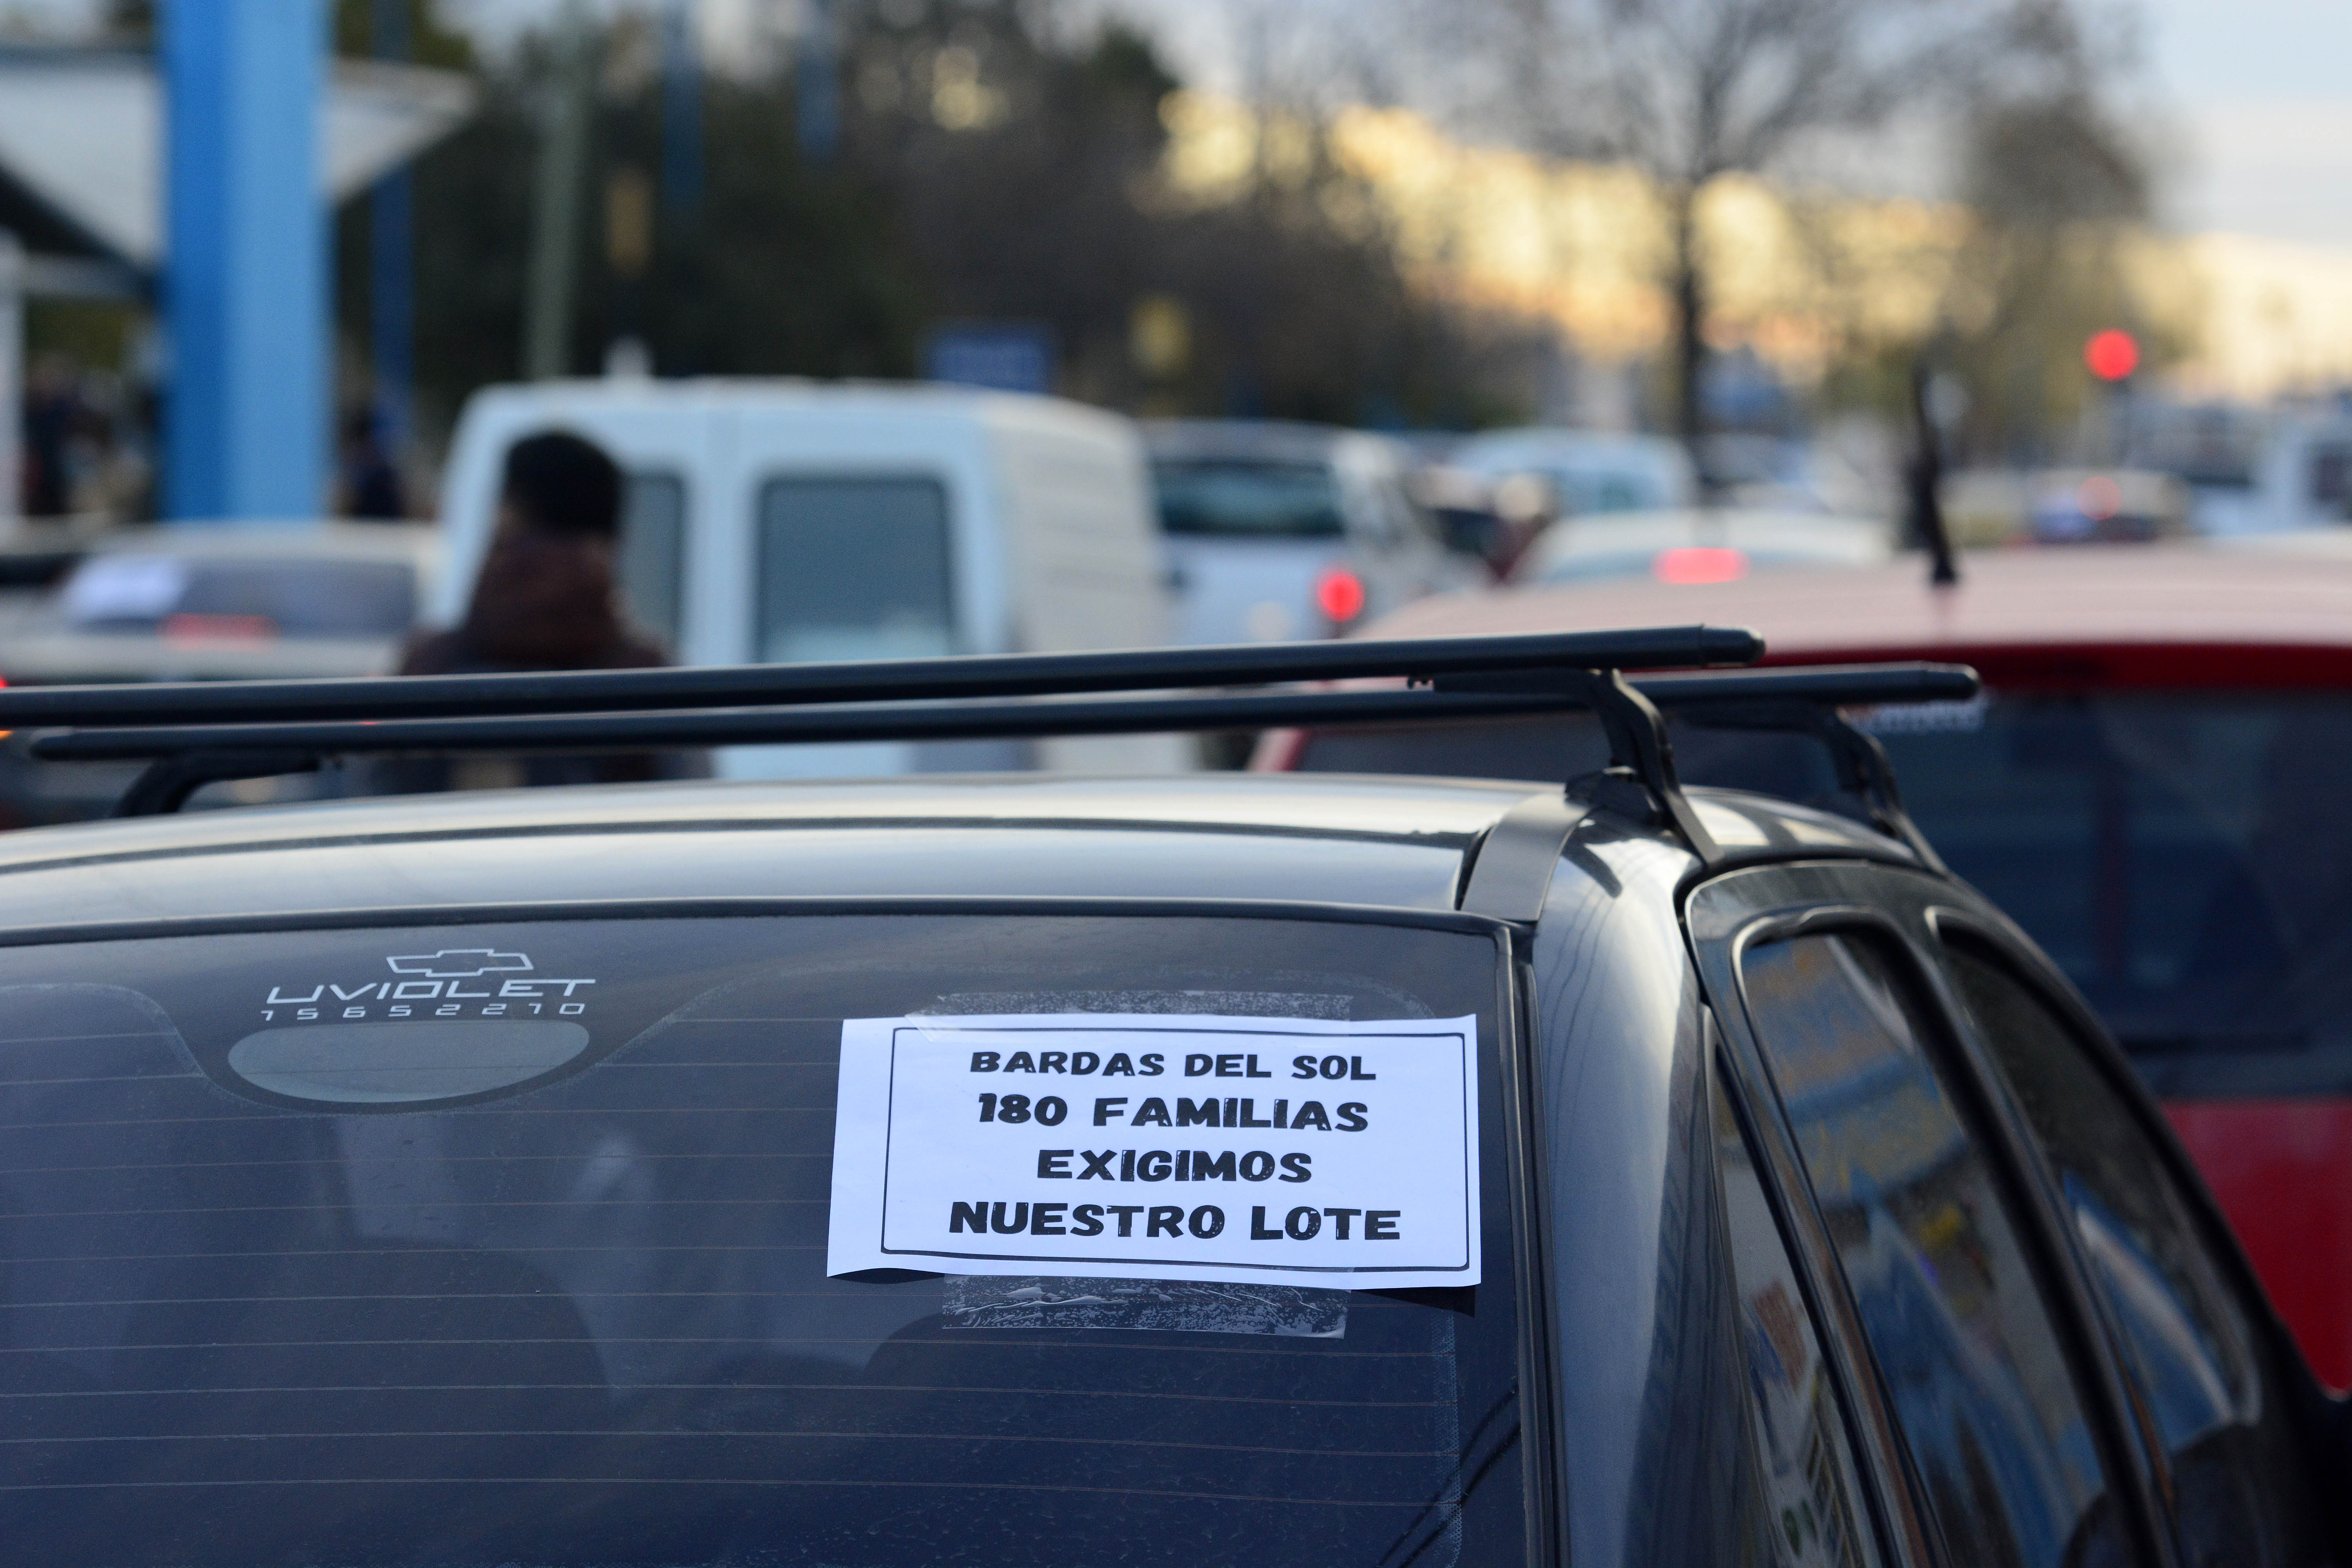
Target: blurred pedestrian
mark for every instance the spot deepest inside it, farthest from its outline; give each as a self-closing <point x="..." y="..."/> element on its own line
<point x="548" y="598"/>
<point x="369" y="478"/>
<point x="1525" y="505"/>
<point x="52" y="419"/>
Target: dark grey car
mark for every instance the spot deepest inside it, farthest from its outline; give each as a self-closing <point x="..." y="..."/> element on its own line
<point x="460" y="1181"/>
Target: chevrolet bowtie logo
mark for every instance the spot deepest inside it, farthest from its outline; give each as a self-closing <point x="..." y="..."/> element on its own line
<point x="460" y="963"/>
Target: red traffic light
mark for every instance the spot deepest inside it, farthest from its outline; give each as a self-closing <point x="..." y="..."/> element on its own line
<point x="2112" y="354"/>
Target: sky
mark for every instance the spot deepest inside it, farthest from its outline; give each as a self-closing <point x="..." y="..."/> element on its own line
<point x="2251" y="99"/>
<point x="2261" y="92"/>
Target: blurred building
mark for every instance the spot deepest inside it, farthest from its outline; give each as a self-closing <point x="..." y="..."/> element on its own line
<point x="1794" y="275"/>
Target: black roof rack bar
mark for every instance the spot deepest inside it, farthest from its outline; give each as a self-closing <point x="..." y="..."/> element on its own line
<point x="1641" y="779"/>
<point x="970" y="676"/>
<point x="1862" y="765"/>
<point x="1824" y="685"/>
<point x="986" y="719"/>
<point x="1812" y="702"/>
<point x="831" y="722"/>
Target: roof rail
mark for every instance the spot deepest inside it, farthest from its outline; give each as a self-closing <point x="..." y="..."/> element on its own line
<point x="199" y="733"/>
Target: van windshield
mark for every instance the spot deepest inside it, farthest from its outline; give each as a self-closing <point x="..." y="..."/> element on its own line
<point x="507" y="1244"/>
<point x="2185" y="857"/>
<point x="1247" y="498"/>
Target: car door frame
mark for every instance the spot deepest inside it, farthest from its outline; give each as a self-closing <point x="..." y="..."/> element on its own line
<point x="2031" y="968"/>
<point x="2318" y="1420"/>
<point x="1724" y="918"/>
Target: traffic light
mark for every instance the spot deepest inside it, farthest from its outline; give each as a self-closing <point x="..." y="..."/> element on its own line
<point x="2112" y="355"/>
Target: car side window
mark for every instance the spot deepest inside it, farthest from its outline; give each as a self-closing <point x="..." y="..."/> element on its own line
<point x="1973" y="1365"/>
<point x="2238" y="1494"/>
<point x="1804" y="1477"/>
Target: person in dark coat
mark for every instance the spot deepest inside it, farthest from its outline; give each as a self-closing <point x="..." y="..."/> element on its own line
<point x="548" y="598"/>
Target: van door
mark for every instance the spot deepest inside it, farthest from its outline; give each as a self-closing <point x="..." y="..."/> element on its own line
<point x="863" y="531"/>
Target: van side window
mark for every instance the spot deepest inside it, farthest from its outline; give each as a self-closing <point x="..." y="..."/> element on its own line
<point x="653" y="552"/>
<point x="1803" y="1475"/>
<point x="2188" y="1346"/>
<point x="854" y="567"/>
<point x="1956" y="1318"/>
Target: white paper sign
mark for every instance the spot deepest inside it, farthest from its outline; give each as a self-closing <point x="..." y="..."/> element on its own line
<point x="1127" y="1146"/>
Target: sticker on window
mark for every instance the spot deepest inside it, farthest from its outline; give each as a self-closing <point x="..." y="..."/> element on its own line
<point x="1296" y="1151"/>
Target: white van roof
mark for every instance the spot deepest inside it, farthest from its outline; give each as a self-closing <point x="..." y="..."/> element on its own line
<point x="550" y="400"/>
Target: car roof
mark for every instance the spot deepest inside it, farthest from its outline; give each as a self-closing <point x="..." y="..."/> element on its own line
<point x="1396" y="842"/>
<point x="326" y="539"/>
<point x="1851" y="541"/>
<point x="2087" y="596"/>
<point x="1268" y="440"/>
<point x="1535" y="445"/>
<point x="511" y="407"/>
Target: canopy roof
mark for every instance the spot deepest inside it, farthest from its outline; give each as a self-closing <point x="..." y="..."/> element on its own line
<point x="81" y="141"/>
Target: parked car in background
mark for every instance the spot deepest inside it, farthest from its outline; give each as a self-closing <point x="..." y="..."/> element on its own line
<point x="1277" y="530"/>
<point x="2302" y="477"/>
<point x="224" y="600"/>
<point x="790" y="521"/>
<point x="32" y="560"/>
<point x="1837" y="472"/>
<point x="1699" y="545"/>
<point x="209" y="602"/>
<point x="1986" y="508"/>
<point x="1221" y="1170"/>
<point x="2155" y="788"/>
<point x="2108" y="506"/>
<point x="1592" y="471"/>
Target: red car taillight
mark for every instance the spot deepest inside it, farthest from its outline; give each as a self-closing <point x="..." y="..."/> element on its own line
<point x="1340" y="595"/>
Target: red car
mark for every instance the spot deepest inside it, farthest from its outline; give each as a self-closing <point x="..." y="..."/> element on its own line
<point x="2158" y="786"/>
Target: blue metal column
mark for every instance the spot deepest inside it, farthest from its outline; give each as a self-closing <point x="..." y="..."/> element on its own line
<point x="681" y="147"/>
<point x="392" y="264"/>
<point x="818" y="84"/>
<point x="245" y="286"/>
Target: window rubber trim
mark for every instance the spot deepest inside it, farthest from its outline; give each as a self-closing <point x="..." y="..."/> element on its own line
<point x="778" y="904"/>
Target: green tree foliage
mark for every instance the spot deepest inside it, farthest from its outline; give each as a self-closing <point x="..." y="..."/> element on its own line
<point x="431" y="42"/>
<point x="993" y="166"/>
<point x="2057" y="193"/>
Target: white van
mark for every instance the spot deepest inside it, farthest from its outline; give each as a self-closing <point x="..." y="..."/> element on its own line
<point x="784" y="522"/>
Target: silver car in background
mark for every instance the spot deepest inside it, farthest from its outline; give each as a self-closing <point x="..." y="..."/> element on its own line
<point x="230" y="601"/>
<point x="1275" y="530"/>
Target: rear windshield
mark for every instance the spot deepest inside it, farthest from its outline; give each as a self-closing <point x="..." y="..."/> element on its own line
<point x="261" y="598"/>
<point x="1246" y="500"/>
<point x="507" y="1244"/>
<point x="2185" y="856"/>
